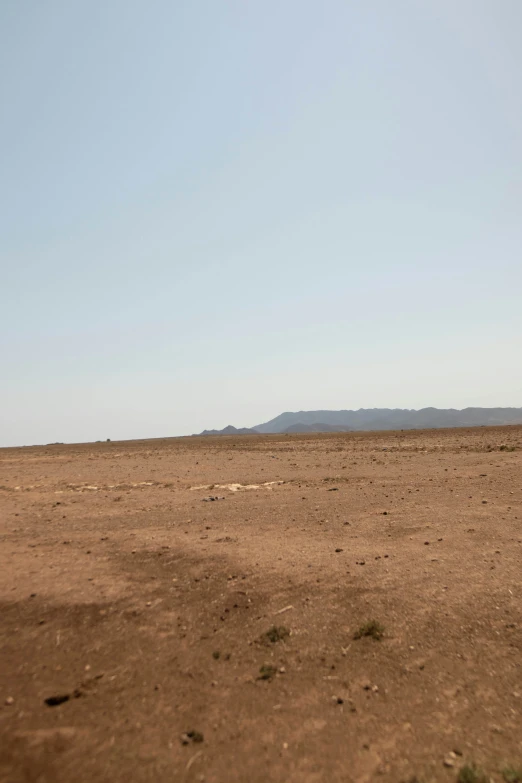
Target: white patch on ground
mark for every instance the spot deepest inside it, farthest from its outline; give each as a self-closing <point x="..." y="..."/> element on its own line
<point x="238" y="487"/>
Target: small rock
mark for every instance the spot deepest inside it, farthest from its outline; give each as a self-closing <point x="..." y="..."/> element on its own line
<point x="9" y="701"/>
<point x="449" y="760"/>
<point x="55" y="701"/>
<point x="338" y="550"/>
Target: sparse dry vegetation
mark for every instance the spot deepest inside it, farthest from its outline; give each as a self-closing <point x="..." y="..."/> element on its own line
<point x="372" y="629"/>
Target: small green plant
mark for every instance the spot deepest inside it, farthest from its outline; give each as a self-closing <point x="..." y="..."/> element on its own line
<point x="371" y="628"/>
<point x="266" y="672"/>
<point x="512" y="774"/>
<point x="216" y="655"/>
<point x="277" y="633"/>
<point x="471" y="774"/>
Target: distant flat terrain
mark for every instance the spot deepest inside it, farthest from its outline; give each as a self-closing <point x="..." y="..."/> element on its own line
<point x="187" y="609"/>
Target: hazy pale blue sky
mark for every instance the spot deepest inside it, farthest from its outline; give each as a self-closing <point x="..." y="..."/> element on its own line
<point x="217" y="210"/>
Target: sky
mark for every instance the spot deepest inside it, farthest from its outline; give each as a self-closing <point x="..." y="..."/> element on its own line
<point x="214" y="212"/>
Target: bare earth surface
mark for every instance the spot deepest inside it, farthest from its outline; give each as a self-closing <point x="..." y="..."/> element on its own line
<point x="122" y="588"/>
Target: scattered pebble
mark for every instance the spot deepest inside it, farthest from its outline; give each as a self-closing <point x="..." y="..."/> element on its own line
<point x="449" y="760"/>
<point x="55" y="701"/>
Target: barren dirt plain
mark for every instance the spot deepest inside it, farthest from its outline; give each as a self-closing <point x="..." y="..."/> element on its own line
<point x="137" y="616"/>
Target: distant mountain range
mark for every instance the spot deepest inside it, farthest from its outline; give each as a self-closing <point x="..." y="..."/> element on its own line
<point x="378" y="419"/>
<point x="230" y="430"/>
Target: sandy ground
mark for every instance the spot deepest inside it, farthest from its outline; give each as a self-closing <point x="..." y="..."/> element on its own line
<point x="146" y="605"/>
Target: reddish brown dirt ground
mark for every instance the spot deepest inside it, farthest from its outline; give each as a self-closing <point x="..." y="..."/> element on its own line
<point x="122" y="588"/>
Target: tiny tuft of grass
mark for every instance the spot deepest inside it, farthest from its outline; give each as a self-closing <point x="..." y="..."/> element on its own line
<point x="267" y="672"/>
<point x="512" y="774"/>
<point x="277" y="633"/>
<point x="371" y="628"/>
<point x="216" y="655"/>
<point x="471" y="774"/>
